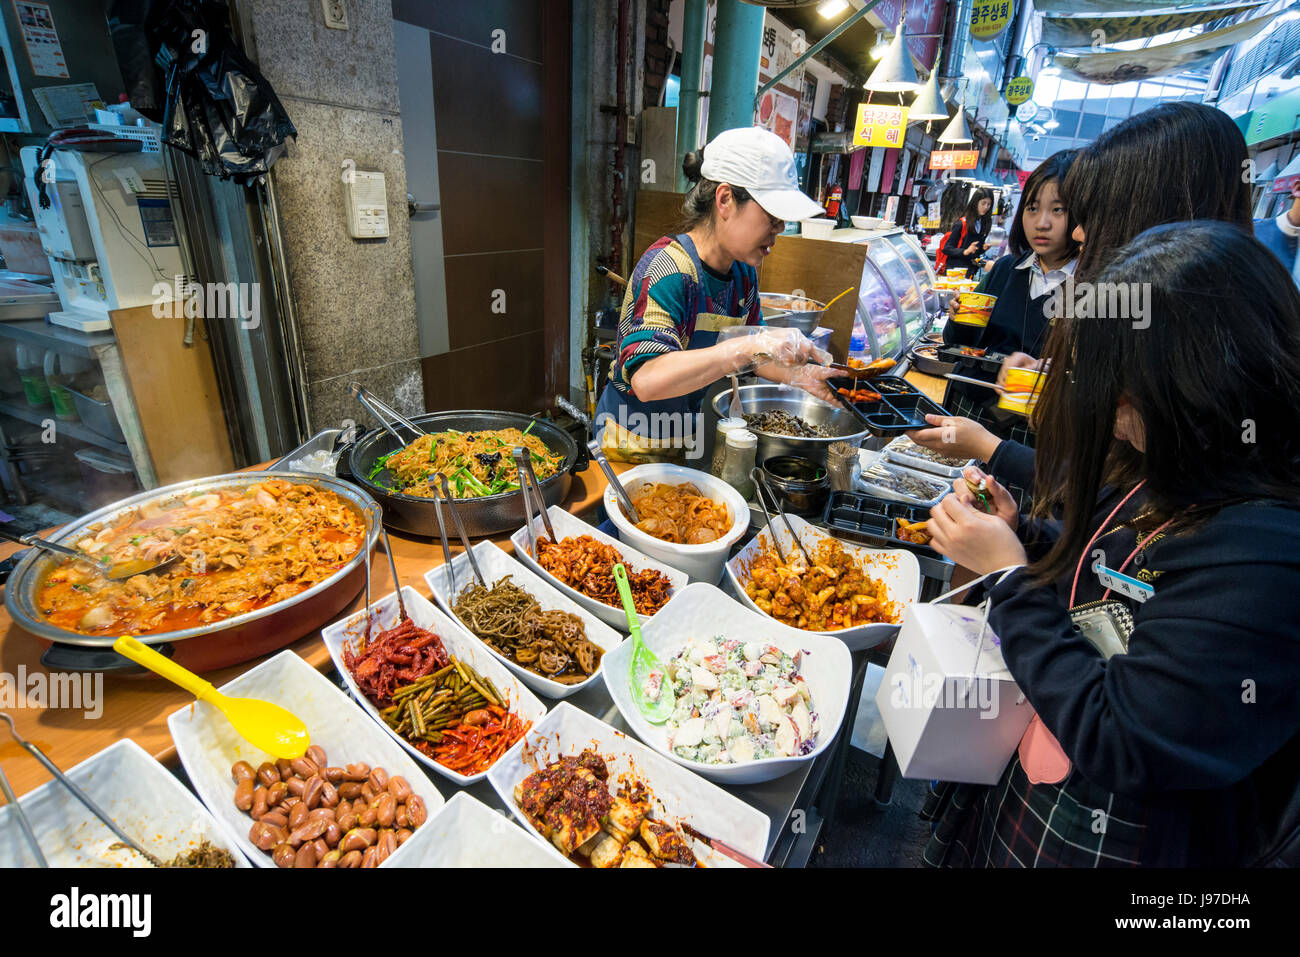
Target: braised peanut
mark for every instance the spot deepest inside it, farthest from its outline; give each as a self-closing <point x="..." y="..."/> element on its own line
<point x="298" y="815"/>
<point x="402" y="835"/>
<point x="335" y="775"/>
<point x="349" y="790"/>
<point x="358" y="839"/>
<point x="296" y="786"/>
<point x="275" y="819"/>
<point x="329" y="795"/>
<point x="368" y="793"/>
<point x="276" y="793"/>
<point x="244" y="794"/>
<point x="317" y="754"/>
<point x="307" y="832"/>
<point x="398" y="788"/>
<point x="306" y="856"/>
<point x="285" y="767"/>
<point x="346" y="821"/>
<point x="385" y="809"/>
<point x="304" y="767"/>
<point x="322" y="813"/>
<point x="311" y="791"/>
<point x="333" y="834"/>
<point x="416" y="813"/>
<point x="358" y="772"/>
<point x="369" y="817"/>
<point x="400" y="819"/>
<point x="370" y="858"/>
<point x="387" y="844"/>
<point x="265" y="836"/>
<point x="350" y="859"/>
<point x="242" y="771"/>
<point x="267" y="774"/>
<point x="378" y="780"/>
<point x="259" y="803"/>
<point x="322" y="847"/>
<point x="283" y="855"/>
<point x="330" y="859"/>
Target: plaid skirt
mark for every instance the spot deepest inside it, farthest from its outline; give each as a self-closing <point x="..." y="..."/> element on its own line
<point x="1018" y="824"/>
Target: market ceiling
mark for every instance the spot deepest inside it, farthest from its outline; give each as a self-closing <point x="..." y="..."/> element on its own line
<point x="851" y="48"/>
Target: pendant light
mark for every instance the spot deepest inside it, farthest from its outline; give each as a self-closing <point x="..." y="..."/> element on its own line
<point x="895" y="73"/>
<point x="929" y="104"/>
<point x="957" y="131"/>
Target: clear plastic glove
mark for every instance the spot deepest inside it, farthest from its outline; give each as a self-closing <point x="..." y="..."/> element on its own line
<point x="783" y="347"/>
<point x="811" y="378"/>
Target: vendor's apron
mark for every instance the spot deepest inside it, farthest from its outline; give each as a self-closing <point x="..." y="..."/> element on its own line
<point x="629" y="437"/>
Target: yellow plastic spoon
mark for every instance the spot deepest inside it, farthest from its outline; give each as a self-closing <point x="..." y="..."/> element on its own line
<point x="266" y="726"/>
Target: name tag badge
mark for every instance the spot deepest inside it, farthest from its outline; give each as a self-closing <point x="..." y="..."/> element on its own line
<point x="1126" y="586"/>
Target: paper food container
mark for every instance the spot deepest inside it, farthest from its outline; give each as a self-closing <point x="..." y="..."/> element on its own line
<point x="141" y="796"/>
<point x="495" y="564"/>
<point x="948" y="717"/>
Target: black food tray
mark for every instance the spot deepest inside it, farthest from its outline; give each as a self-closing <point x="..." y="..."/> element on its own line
<point x="870" y="521"/>
<point x="900" y="408"/>
<point x="989" y="362"/>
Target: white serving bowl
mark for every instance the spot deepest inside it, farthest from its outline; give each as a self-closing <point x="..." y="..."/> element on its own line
<point x="567" y="525"/>
<point x="700" y="562"/>
<point x="679" y="795"/>
<point x="208" y="745"/>
<point x="495" y="564"/>
<point x="468" y="833"/>
<point x="142" y="797"/>
<point x="384" y="614"/>
<point x="705" y="611"/>
<point x="896" y="568"/>
<point x="866" y="222"/>
<point x="817" y="228"/>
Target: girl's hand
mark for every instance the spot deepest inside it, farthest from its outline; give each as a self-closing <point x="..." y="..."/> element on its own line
<point x="1017" y="360"/>
<point x="1003" y="505"/>
<point x="973" y="539"/>
<point x="957" y="437"/>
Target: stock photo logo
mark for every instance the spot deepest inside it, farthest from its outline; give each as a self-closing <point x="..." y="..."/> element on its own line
<point x="76" y="691"/>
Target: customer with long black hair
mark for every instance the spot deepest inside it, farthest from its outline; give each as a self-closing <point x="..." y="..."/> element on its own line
<point x="1171" y="455"/>
<point x="967" y="237"/>
<point x="1172" y="163"/>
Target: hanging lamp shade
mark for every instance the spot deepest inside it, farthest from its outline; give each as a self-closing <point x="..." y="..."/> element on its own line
<point x="957" y="131"/>
<point x="929" y="104"/>
<point x="895" y="72"/>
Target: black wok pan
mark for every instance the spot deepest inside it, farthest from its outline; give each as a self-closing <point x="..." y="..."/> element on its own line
<point x="487" y="515"/>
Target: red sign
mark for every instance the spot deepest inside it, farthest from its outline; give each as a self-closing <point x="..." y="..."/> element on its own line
<point x="1023" y="176"/>
<point x="954" y="159"/>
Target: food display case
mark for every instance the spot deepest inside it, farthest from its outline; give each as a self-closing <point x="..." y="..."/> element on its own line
<point x="896" y="294"/>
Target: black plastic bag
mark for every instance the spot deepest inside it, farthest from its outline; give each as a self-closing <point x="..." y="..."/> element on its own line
<point x="219" y="107"/>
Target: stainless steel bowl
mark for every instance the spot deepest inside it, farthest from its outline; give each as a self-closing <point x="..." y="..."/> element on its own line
<point x="843" y="425"/>
<point x="206" y="647"/>
<point x="777" y="312"/>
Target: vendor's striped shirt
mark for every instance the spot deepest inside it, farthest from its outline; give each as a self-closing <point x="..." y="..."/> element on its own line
<point x="663" y="299"/>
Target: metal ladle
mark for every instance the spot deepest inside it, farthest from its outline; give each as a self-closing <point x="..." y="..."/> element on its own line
<point x="626" y="501"/>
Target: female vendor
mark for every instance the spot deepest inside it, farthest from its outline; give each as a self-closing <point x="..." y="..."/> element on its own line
<point x="688" y="288"/>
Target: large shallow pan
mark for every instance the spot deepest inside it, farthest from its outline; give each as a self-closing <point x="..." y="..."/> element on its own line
<point x="843" y="425"/>
<point x="208" y="647"/>
<point x="488" y="515"/>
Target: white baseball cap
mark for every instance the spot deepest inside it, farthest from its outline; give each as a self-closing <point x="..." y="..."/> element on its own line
<point x="763" y="164"/>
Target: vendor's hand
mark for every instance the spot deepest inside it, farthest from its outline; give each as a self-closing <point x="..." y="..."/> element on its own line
<point x="973" y="539"/>
<point x="811" y="378"/>
<point x="957" y="437"/>
<point x="1017" y="360"/>
<point x="999" y="499"/>
<point x="782" y="347"/>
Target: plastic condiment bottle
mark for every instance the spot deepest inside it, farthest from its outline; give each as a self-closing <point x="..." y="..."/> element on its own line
<point x="724" y="426"/>
<point x="858" y="347"/>
<point x="742" y="450"/>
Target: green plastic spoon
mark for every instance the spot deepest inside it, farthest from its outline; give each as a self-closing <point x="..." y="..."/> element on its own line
<point x="643" y="663"/>
<point x="263" y="724"/>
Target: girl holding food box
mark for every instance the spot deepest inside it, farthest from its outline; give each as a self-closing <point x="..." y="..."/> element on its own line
<point x="1154" y="621"/>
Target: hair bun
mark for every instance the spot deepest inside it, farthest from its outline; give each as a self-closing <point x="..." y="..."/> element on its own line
<point x="691" y="164"/>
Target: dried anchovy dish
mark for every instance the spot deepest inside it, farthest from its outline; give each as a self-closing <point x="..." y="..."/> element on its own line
<point x="905" y="446"/>
<point x="902" y="483"/>
<point x="783" y="423"/>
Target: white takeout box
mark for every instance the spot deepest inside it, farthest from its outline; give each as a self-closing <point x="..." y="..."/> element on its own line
<point x="468" y="833"/>
<point x="208" y="745"/>
<point x="895" y="568"/>
<point x="567" y="525"/>
<point x="680" y="796"/>
<point x="385" y="614"/>
<point x="142" y="797"/>
<point x="946" y="718"/>
<point x="495" y="564"/>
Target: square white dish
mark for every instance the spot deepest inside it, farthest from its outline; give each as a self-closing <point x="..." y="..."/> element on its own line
<point x="384" y="614"/>
<point x="208" y="745"/>
<point x="468" y="833"/>
<point x="896" y="568"/>
<point x="495" y="563"/>
<point x="685" y="797"/>
<point x="568" y="525"/>
<point x="142" y="797"/>
<point x="703" y="610"/>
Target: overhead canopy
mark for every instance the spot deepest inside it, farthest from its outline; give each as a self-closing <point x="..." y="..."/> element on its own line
<point x="1078" y="29"/>
<point x="1125" y="66"/>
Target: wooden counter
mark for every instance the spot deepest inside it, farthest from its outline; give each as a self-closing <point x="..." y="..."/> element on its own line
<point x="138" y="707"/>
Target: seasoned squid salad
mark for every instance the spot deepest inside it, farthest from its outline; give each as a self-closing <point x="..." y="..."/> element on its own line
<point x="736" y="701"/>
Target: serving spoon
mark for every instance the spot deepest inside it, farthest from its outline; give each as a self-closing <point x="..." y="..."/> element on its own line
<point x="643" y="662"/>
<point x="113" y="573"/>
<point x="263" y="724"/>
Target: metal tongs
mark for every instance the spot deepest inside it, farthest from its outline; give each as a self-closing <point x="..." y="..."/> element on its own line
<point x="79" y="794"/>
<point x="383" y="412"/>
<point x="528" y="487"/>
<point x="624" y="499"/>
<point x="460" y="530"/>
<point x="761" y="486"/>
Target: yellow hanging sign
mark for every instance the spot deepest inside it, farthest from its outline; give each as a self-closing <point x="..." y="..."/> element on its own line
<point x="988" y="18"/>
<point x="1019" y="90"/>
<point x="880" y="125"/>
